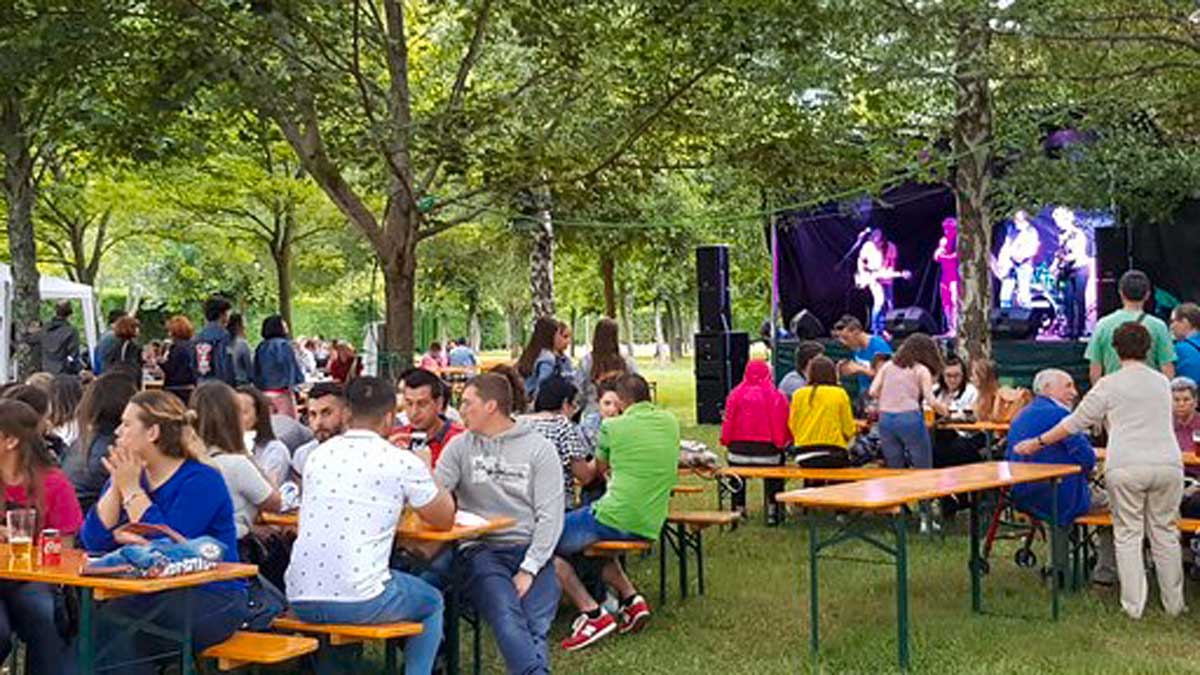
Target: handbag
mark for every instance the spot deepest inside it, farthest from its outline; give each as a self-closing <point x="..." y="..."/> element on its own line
<point x="174" y="556"/>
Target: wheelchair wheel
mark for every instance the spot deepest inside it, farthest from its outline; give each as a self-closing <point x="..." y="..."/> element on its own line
<point x="1025" y="558"/>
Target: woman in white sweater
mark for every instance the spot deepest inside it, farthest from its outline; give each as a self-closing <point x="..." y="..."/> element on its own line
<point x="1144" y="471"/>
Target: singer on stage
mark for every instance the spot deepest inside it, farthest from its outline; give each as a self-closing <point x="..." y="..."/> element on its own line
<point x="1072" y="267"/>
<point x="1015" y="264"/>
<point x="876" y="273"/>
<point x="947" y="256"/>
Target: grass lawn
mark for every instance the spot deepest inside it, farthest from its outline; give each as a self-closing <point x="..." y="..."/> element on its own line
<point x="754" y="617"/>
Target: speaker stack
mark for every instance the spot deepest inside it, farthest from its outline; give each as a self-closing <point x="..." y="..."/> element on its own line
<point x="1113" y="258"/>
<point x="721" y="354"/>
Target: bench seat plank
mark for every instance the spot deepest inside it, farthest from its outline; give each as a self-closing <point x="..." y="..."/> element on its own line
<point x="246" y="647"/>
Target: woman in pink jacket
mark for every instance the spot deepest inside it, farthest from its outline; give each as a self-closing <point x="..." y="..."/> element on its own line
<point x="755" y="431"/>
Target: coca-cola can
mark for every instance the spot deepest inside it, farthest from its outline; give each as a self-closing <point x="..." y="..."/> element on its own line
<point x="51" y="547"/>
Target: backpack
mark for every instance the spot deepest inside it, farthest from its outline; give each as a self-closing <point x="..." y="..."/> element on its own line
<point x="1010" y="401"/>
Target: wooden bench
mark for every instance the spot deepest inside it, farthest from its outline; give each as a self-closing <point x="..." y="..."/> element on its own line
<point x="687" y="490"/>
<point x="684" y="533"/>
<point x="1104" y="519"/>
<point x="247" y="648"/>
<point x="1082" y="547"/>
<point x="339" y="634"/>
<point x="611" y="548"/>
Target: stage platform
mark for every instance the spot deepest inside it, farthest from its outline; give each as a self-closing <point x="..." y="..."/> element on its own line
<point x="1017" y="360"/>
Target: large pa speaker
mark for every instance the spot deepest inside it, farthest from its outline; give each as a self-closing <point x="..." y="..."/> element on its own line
<point x="901" y="323"/>
<point x="720" y="363"/>
<point x="1113" y="258"/>
<point x="1014" y="323"/>
<point x="712" y="284"/>
<point x="806" y="326"/>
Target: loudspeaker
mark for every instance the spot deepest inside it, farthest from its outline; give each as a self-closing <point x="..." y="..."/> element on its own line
<point x="904" y="322"/>
<point x="806" y="326"/>
<point x="720" y="363"/>
<point x="1014" y="323"/>
<point x="712" y="284"/>
<point x="1113" y="258"/>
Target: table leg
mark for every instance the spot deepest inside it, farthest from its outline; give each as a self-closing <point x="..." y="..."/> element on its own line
<point x="976" y="560"/>
<point x="662" y="565"/>
<point x="87" y="632"/>
<point x="453" y="611"/>
<point x="683" y="560"/>
<point x="389" y="655"/>
<point x="901" y="526"/>
<point x="1055" y="572"/>
<point x="814" y="639"/>
<point x="700" y="560"/>
<point x="188" y="656"/>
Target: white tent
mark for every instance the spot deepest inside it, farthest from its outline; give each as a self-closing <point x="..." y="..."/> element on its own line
<point x="52" y="288"/>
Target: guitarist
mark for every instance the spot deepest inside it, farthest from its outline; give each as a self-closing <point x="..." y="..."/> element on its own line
<point x="1015" y="264"/>
<point x="1073" y="267"/>
<point x="876" y="273"/>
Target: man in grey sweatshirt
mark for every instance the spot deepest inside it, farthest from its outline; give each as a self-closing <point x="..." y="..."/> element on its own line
<point x="502" y="468"/>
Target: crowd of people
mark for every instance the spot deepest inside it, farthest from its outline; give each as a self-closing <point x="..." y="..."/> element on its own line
<point x="1136" y="402"/>
<point x="570" y="455"/>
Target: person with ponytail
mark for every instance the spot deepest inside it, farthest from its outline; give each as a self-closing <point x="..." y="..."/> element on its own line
<point x="603" y="362"/>
<point x="32" y="481"/>
<point x="160" y="474"/>
<point x="545" y="355"/>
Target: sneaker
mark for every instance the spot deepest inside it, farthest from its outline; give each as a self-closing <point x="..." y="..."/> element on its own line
<point x="586" y="631"/>
<point x="634" y="615"/>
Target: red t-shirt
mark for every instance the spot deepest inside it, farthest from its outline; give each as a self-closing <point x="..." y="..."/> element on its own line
<point x="437" y="441"/>
<point x="60" y="509"/>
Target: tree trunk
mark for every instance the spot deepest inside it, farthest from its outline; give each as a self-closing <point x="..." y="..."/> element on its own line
<point x="283" y="277"/>
<point x="973" y="178"/>
<point x="661" y="353"/>
<point x="627" y="319"/>
<point x="473" y="331"/>
<point x="512" y="331"/>
<point x="608" y="274"/>
<point x="19" y="195"/>
<point x="541" y="265"/>
<point x="399" y="287"/>
<point x="574" y="321"/>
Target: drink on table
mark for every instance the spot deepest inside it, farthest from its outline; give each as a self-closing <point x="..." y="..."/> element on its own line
<point x="51" y="544"/>
<point x="21" y="526"/>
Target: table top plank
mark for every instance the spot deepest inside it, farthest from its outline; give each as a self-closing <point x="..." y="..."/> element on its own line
<point x="68" y="573"/>
<point x="411" y="529"/>
<point x="889" y="492"/>
<point x="852" y="473"/>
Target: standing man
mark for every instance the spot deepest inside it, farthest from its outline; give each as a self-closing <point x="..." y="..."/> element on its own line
<point x="1185" y="326"/>
<point x="60" y="343"/>
<point x="863" y="347"/>
<point x="1134" y="289"/>
<point x="213" y="358"/>
<point x="1073" y="266"/>
<point x="877" y="273"/>
<point x="1056" y="396"/>
<point x="1015" y="267"/>
<point x="502" y="468"/>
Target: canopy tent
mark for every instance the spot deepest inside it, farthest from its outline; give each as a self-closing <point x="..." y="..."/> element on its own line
<point x="52" y="288"/>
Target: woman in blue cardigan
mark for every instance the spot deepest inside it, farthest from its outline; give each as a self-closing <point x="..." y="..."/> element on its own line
<point x="159" y="476"/>
<point x="276" y="371"/>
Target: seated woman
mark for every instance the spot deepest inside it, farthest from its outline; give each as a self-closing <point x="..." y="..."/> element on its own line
<point x="950" y="447"/>
<point x="821" y="419"/>
<point x="219" y="428"/>
<point x="161" y="475"/>
<point x="551" y="418"/>
<point x="755" y="431"/>
<point x="99" y="416"/>
<point x="32" y="481"/>
<point x="270" y="454"/>
<point x="1184" y="417"/>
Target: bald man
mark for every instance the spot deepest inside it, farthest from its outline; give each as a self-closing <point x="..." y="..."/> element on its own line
<point x="1055" y="397"/>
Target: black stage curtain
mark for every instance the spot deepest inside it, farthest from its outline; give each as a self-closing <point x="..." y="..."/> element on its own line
<point x="1169" y="252"/>
<point x="817" y="258"/>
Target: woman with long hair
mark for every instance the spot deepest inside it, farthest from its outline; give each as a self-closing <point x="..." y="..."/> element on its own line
<point x="545" y="355"/>
<point x="958" y="394"/>
<point x="219" y="426"/>
<point x="65" y="393"/>
<point x="276" y="370"/>
<point x="270" y="454"/>
<point x="32" y="481"/>
<point x="987" y="384"/>
<point x="98" y="418"/>
<point x="125" y="354"/>
<point x="161" y="475"/>
<point x="603" y="361"/>
<point x="903" y="387"/>
<point x="178" y="362"/>
<point x="821" y="418"/>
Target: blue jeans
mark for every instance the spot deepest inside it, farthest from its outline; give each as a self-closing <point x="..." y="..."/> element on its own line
<point x="404" y="598"/>
<point x="581" y="530"/>
<point x="905" y="440"/>
<point x="28" y="608"/>
<point x="520" y="625"/>
<point x="216" y="615"/>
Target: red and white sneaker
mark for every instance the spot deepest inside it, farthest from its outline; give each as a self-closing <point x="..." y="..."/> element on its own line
<point x="634" y="615"/>
<point x="585" y="631"/>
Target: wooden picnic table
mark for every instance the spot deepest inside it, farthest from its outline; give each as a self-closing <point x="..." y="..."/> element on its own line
<point x="887" y="496"/>
<point x="94" y="588"/>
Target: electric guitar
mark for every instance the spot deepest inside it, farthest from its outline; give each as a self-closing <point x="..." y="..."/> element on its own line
<point x="866" y="277"/>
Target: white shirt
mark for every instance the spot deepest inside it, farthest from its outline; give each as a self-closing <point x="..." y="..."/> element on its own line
<point x="247" y="487"/>
<point x="355" y="489"/>
<point x="1135" y="402"/>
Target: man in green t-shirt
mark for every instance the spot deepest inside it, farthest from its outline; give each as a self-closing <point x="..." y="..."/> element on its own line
<point x="641" y="447"/>
<point x="1134" y="288"/>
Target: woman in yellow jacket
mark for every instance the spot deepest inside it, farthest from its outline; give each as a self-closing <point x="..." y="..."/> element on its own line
<point x="821" y="420"/>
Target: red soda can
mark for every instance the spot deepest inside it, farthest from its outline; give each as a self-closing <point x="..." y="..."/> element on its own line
<point x="51" y="547"/>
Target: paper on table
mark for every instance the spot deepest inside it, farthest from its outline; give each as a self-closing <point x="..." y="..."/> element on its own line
<point x="468" y="519"/>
